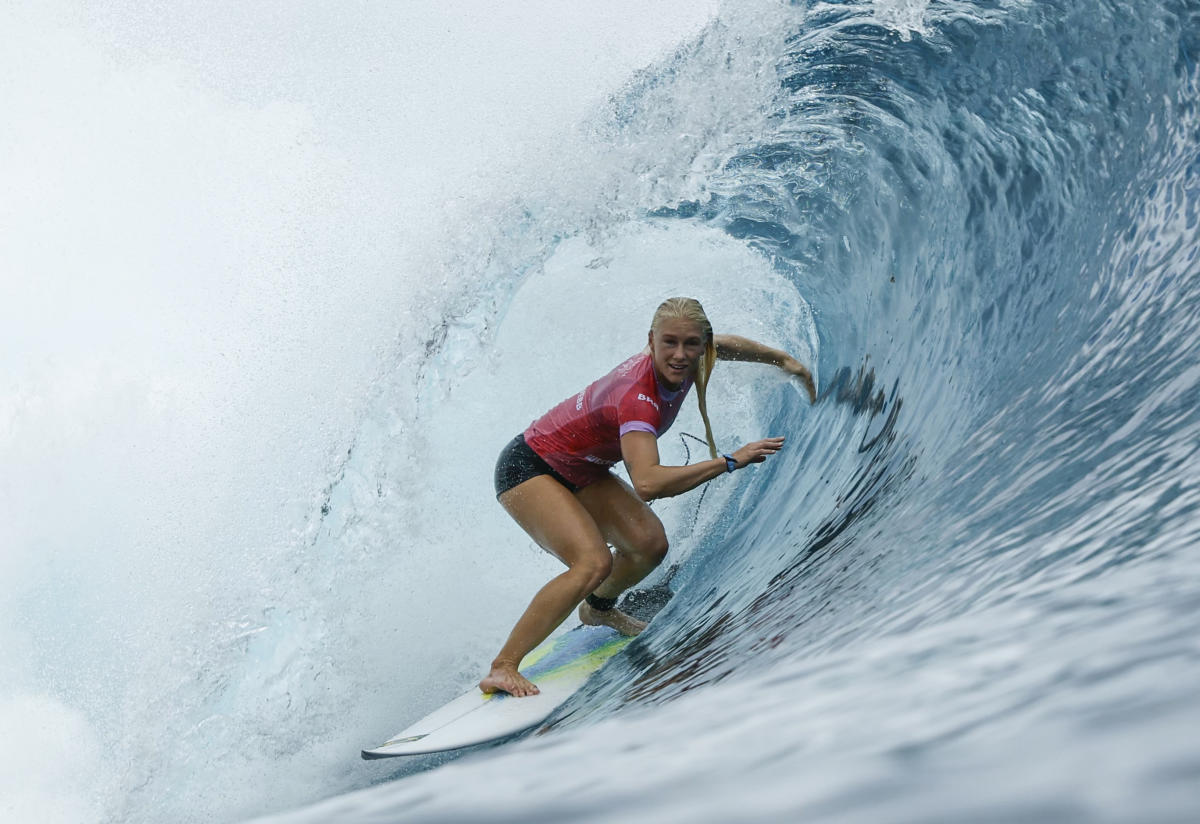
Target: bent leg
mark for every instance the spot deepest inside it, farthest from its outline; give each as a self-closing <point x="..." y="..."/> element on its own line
<point x="561" y="525"/>
<point x="626" y="522"/>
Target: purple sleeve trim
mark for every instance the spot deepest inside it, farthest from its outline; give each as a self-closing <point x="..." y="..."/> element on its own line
<point x="637" y="426"/>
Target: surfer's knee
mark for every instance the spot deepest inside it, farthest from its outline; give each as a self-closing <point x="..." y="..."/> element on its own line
<point x="652" y="545"/>
<point x="659" y="549"/>
<point x="593" y="568"/>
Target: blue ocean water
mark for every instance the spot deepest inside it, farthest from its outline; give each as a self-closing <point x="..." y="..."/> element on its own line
<point x="969" y="588"/>
<point x="969" y="591"/>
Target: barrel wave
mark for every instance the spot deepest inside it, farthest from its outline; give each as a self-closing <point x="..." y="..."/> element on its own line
<point x="967" y="589"/>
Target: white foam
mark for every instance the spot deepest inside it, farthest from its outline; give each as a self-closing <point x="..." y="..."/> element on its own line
<point x="50" y="763"/>
<point x="217" y="225"/>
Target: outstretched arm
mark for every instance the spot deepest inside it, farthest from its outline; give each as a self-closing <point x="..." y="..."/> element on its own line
<point x="653" y="480"/>
<point x="736" y="348"/>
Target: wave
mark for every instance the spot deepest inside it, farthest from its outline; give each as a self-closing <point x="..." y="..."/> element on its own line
<point x="967" y="590"/>
<point x="966" y="587"/>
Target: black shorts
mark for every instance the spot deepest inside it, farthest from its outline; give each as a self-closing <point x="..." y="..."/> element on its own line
<point x="518" y="463"/>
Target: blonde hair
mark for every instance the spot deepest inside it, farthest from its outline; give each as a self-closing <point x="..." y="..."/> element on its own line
<point x="689" y="309"/>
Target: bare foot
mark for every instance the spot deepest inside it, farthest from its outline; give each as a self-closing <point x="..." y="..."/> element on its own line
<point x="505" y="678"/>
<point x="622" y="623"/>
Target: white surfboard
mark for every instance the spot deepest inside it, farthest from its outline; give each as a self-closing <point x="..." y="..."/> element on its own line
<point x="559" y="667"/>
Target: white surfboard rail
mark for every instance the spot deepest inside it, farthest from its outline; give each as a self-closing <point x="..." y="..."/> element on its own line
<point x="559" y="667"/>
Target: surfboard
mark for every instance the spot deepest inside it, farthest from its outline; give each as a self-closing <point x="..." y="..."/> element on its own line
<point x="559" y="667"/>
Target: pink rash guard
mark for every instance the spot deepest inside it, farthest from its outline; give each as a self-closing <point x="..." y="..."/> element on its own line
<point x="581" y="437"/>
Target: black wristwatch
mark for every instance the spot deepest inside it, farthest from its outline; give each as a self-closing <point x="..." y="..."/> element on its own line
<point x="730" y="463"/>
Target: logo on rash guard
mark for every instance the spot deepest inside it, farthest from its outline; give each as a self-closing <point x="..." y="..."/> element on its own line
<point x="648" y="400"/>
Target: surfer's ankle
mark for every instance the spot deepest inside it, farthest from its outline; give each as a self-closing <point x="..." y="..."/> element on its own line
<point x="590" y="615"/>
<point x="615" y="618"/>
<point x="599" y="603"/>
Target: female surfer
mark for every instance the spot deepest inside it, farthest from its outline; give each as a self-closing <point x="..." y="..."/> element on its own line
<point x="554" y="478"/>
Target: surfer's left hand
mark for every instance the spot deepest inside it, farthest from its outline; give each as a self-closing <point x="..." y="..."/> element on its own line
<point x="797" y="369"/>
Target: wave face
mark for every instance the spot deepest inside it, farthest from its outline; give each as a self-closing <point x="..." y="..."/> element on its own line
<point x="968" y="589"/>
